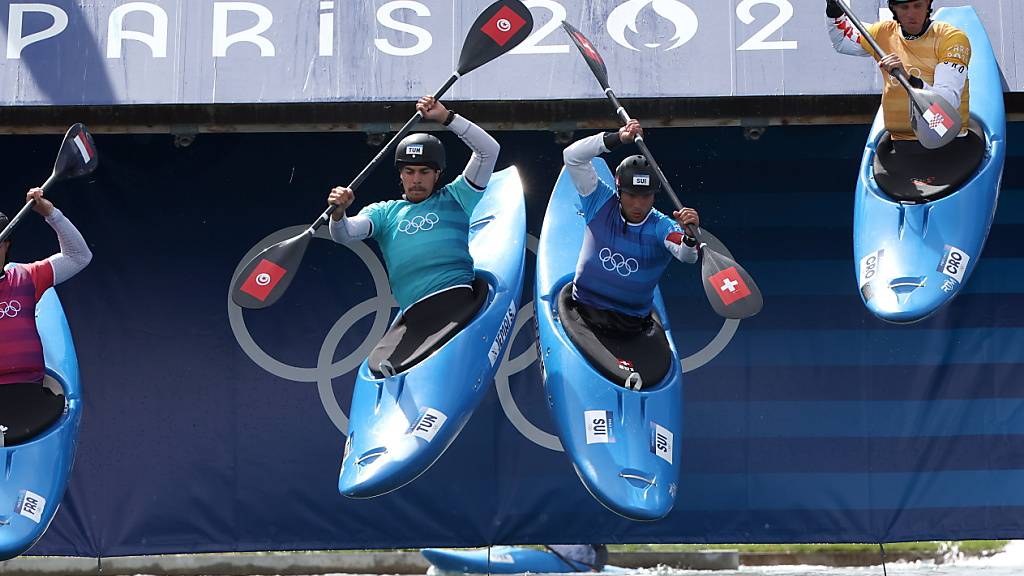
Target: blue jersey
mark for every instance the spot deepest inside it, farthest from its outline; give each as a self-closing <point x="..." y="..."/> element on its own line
<point x="426" y="244"/>
<point x="621" y="263"/>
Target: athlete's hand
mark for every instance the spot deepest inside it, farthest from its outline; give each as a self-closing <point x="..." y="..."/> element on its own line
<point x="42" y="206"/>
<point x="432" y="109"/>
<point x="342" y="198"/>
<point x="832" y="10"/>
<point x="687" y="217"/>
<point x="891" y="63"/>
<point x="630" y="131"/>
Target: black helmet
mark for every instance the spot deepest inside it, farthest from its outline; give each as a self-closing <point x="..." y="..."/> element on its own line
<point x="420" y="150"/>
<point x="635" y="176"/>
<point x="894" y="2"/>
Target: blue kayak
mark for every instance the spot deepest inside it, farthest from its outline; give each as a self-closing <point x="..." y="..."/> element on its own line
<point x="503" y="560"/>
<point x="399" y="424"/>
<point x="35" y="473"/>
<point x="919" y="231"/>
<point x="622" y="442"/>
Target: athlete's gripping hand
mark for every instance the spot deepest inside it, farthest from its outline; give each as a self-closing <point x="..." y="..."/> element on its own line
<point x="832" y="9"/>
<point x="42" y="206"/>
<point x="342" y="198"/>
<point x="432" y="109"/>
<point x="687" y="217"/>
<point x="629" y="132"/>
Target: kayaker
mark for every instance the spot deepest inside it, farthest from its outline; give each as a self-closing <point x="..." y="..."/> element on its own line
<point x="27" y="406"/>
<point x="627" y="243"/>
<point x="934" y="55"/>
<point x="424" y="236"/>
<point x="593" y="556"/>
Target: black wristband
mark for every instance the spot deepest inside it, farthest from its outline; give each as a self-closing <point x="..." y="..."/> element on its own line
<point x="448" y="120"/>
<point x="915" y="82"/>
<point x="612" y="140"/>
<point x="832" y="10"/>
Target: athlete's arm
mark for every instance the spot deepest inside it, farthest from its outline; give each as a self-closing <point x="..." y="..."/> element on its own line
<point x="577" y="157"/>
<point x="351" y="228"/>
<point x="951" y="72"/>
<point x="485" y="150"/>
<point x="675" y="245"/>
<point x="843" y="34"/>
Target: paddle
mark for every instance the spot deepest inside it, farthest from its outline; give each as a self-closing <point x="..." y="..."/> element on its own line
<point x="499" y="28"/>
<point x="934" y="120"/>
<point x="77" y="157"/>
<point x="730" y="290"/>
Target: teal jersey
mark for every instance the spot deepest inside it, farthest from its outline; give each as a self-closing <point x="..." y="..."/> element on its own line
<point x="426" y="245"/>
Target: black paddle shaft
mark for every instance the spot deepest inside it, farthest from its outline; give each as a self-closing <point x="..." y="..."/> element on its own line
<point x="898" y="73"/>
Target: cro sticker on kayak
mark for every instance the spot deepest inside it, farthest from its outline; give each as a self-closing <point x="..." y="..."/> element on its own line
<point x="870" y="267"/>
<point x="661" y="442"/>
<point x="954" y="263"/>
<point x="503" y="332"/>
<point x="599" y="426"/>
<point x="427" y="425"/>
<point x="30" y="505"/>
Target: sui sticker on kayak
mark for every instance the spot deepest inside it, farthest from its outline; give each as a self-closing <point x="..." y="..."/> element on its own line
<point x="502" y="335"/>
<point x="428" y="424"/>
<point x="30" y="505"/>
<point x="599" y="426"/>
<point x="661" y="443"/>
<point x="954" y="263"/>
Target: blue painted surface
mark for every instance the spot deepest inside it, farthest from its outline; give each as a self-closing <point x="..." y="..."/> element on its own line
<point x="38" y="470"/>
<point x="913" y="258"/>
<point x="189" y="445"/>
<point x="399" y="425"/>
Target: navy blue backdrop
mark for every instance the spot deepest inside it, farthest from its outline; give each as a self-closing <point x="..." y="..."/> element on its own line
<point x="817" y="422"/>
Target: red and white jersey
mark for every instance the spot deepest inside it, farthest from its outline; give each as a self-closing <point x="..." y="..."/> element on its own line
<point x="21" y="350"/>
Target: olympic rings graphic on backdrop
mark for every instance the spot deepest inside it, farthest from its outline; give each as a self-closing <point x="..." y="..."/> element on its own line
<point x="504" y="25"/>
<point x="615" y="262"/>
<point x="10" y="309"/>
<point x="418" y="223"/>
<point x="380" y="307"/>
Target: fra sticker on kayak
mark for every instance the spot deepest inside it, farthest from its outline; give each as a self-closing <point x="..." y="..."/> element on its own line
<point x="502" y="335"/>
<point x="30" y="505"/>
<point x="661" y="442"/>
<point x="502" y="558"/>
<point x="428" y="424"/>
<point x="954" y="263"/>
<point x="599" y="426"/>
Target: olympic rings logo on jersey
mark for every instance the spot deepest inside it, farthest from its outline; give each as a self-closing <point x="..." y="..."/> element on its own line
<point x="615" y="262"/>
<point x="418" y="223"/>
<point x="10" y="309"/>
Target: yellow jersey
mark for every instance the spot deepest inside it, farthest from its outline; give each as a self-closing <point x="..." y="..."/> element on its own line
<point x="942" y="43"/>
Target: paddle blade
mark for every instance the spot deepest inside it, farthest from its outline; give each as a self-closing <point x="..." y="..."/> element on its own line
<point x="267" y="276"/>
<point x="77" y="155"/>
<point x="934" y="120"/>
<point x="730" y="290"/>
<point x="500" y="28"/>
<point x="590" y="54"/>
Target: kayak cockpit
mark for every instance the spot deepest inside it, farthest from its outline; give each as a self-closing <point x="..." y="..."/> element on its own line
<point x="29" y="410"/>
<point x="637" y="362"/>
<point x="430" y="324"/>
<point x="923" y="175"/>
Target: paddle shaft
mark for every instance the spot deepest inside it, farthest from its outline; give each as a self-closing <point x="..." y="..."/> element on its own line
<point x="898" y="72"/>
<point x="624" y="117"/>
<point x="6" y="233"/>
<point x="402" y="132"/>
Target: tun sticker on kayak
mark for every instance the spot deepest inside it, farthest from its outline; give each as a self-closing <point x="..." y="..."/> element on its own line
<point x="599" y="426"/>
<point x="427" y="425"/>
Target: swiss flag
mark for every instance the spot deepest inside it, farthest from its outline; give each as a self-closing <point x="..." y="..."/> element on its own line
<point x="262" y="280"/>
<point x="729" y="286"/>
<point x="503" y="25"/>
